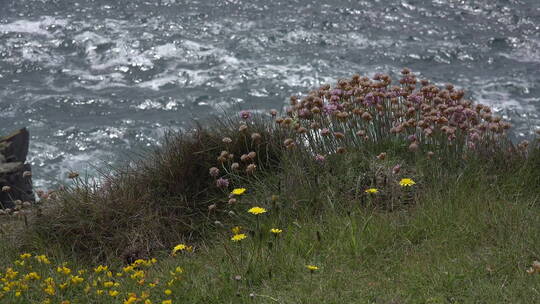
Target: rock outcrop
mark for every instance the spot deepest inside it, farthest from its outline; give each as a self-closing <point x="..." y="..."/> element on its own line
<point x="15" y="174"/>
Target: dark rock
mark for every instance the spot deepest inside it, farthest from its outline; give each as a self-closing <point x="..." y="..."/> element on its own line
<point x="14" y="147"/>
<point x="13" y="152"/>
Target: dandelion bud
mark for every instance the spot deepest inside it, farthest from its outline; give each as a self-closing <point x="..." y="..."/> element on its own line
<point x="256" y="137"/>
<point x="430" y="154"/>
<point x="252" y="155"/>
<point x="251" y="168"/>
<point x="413" y="147"/>
<point x="235" y="166"/>
<point x="339" y="135"/>
<point x="27" y="174"/>
<point x="273" y="112"/>
<point x="214" y="172"/>
<point x="73" y="175"/>
<point x="245" y="158"/>
<point x="6" y="189"/>
<point x="226" y="140"/>
<point x="381" y="156"/>
<point x="222" y="182"/>
<point x="341" y="150"/>
<point x="242" y="128"/>
<point x="232" y="201"/>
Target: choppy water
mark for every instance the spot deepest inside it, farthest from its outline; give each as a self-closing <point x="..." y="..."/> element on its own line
<point x="96" y="79"/>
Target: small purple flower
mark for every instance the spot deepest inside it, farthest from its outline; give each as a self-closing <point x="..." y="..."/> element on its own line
<point x="214" y="172"/>
<point x="245" y="115"/>
<point x="415" y="98"/>
<point x="412" y="137"/>
<point x="222" y="182"/>
<point x="337" y="92"/>
<point x="329" y="108"/>
<point x="334" y="98"/>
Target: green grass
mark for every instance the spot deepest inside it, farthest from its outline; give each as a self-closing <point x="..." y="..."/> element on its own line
<point x="465" y="233"/>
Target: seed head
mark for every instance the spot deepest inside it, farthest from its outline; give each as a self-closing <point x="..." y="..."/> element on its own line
<point x="251" y="168"/>
<point x="214" y="172"/>
<point x="235" y="166"/>
<point x="226" y="140"/>
<point x="256" y="137"/>
<point x="252" y="155"/>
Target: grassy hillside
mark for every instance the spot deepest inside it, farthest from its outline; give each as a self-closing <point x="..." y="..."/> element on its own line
<point x="404" y="206"/>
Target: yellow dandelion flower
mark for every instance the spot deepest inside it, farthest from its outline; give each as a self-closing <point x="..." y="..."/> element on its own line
<point x="101" y="268"/>
<point x="113" y="293"/>
<point x="49" y="290"/>
<point x="238" y="237"/>
<point x="42" y="259"/>
<point x="257" y="210"/>
<point x="99" y="291"/>
<point x="25" y="256"/>
<point x="166" y="302"/>
<point x="312" y="267"/>
<point x="238" y="191"/>
<point x="276" y="231"/>
<point x="131" y="300"/>
<point x="152" y="285"/>
<point x="406" y="182"/>
<point x="63" y="269"/>
<point x="372" y="191"/>
<point x="236" y="229"/>
<point x="76" y="279"/>
<point x="168" y="292"/>
<point x="147" y="301"/>
<point x="63" y="285"/>
<point x="32" y="276"/>
<point x="18" y="294"/>
<point x="65" y="302"/>
<point x="179" y="247"/>
<point x="108" y="284"/>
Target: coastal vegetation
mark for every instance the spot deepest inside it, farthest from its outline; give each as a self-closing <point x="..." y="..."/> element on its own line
<point x="365" y="192"/>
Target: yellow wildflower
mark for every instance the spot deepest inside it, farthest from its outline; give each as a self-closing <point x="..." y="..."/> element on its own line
<point x="18" y="294"/>
<point x="113" y="293"/>
<point x="372" y="191"/>
<point x="101" y="268"/>
<point x="63" y="269"/>
<point x="108" y="284"/>
<point x="166" y="302"/>
<point x="147" y="301"/>
<point x="238" y="237"/>
<point x="312" y="267"/>
<point x="168" y="292"/>
<point x="406" y="182"/>
<point x="42" y="259"/>
<point x="276" y="231"/>
<point x="32" y="276"/>
<point x="76" y="279"/>
<point x="50" y="290"/>
<point x="257" y="210"/>
<point x="63" y="285"/>
<point x="131" y="300"/>
<point x="25" y="256"/>
<point x="179" y="247"/>
<point x="238" y="191"/>
<point x="99" y="291"/>
<point x="236" y="229"/>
